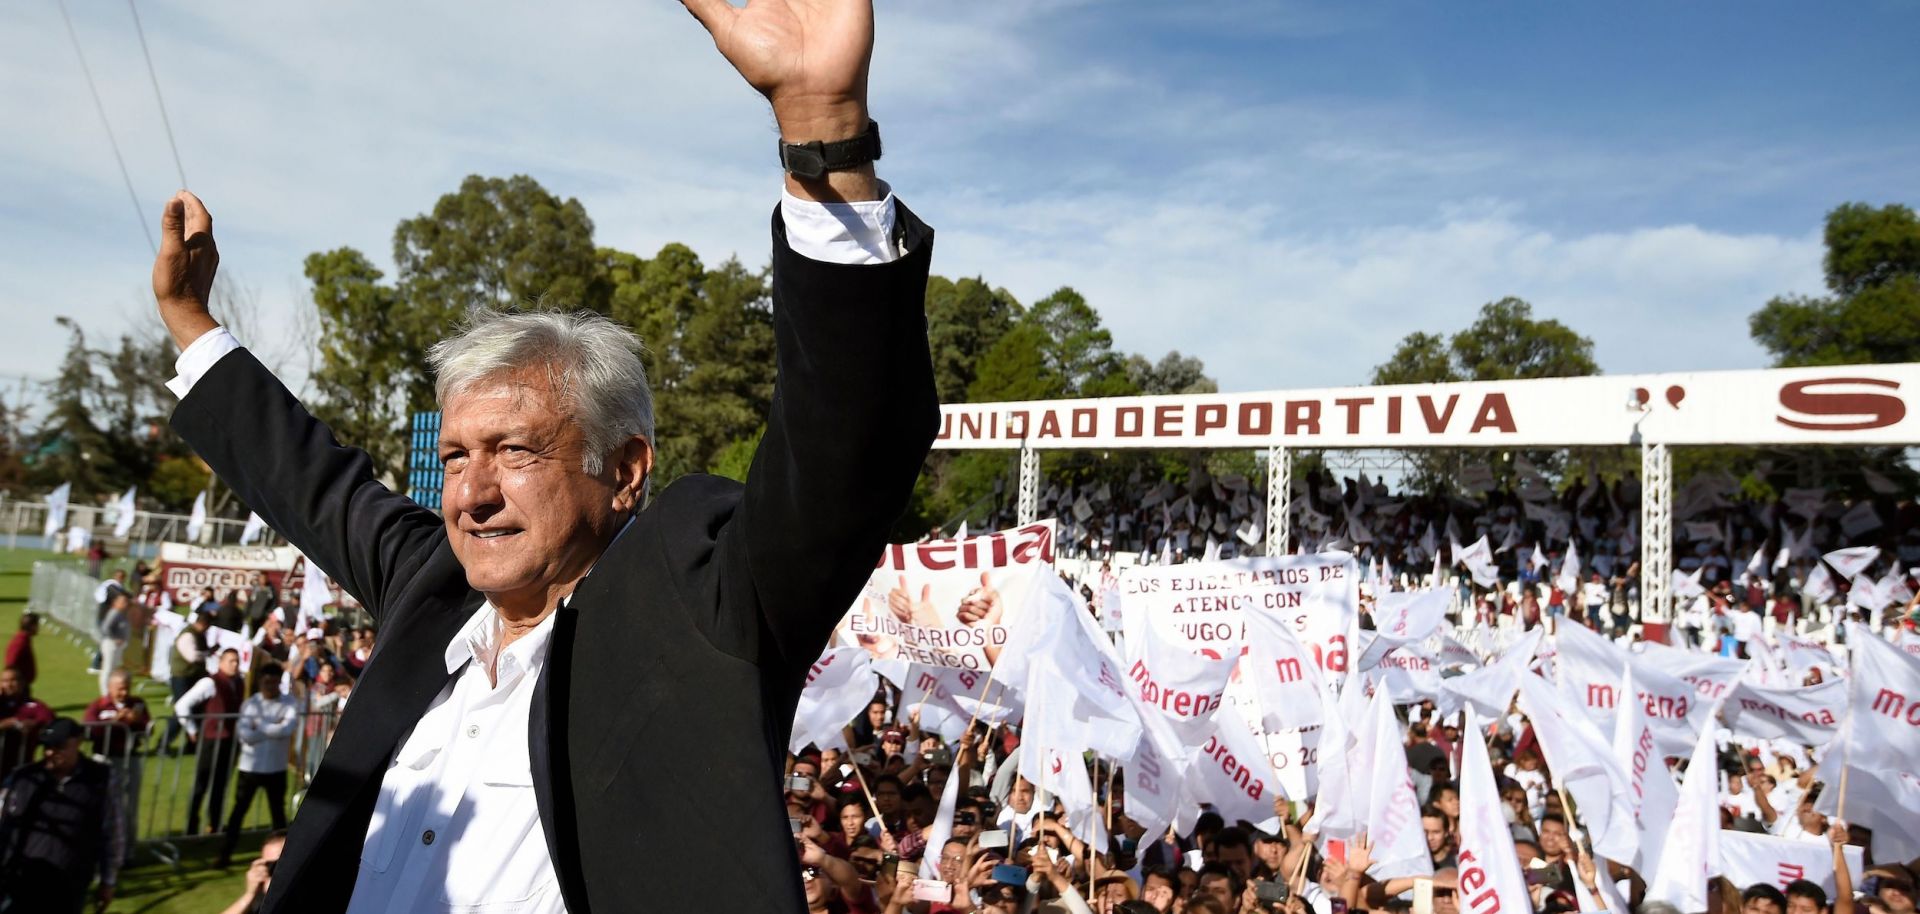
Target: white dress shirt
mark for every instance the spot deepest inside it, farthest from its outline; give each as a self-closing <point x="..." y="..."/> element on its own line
<point x="456" y="827"/>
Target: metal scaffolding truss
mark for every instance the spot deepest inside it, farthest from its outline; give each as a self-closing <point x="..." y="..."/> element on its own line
<point x="1279" y="533"/>
<point x="1028" y="508"/>
<point x="1656" y="531"/>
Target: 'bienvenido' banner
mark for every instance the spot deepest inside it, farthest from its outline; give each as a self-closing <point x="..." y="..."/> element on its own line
<point x="949" y="603"/>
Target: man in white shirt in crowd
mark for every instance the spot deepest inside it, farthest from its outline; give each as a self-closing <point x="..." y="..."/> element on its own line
<point x="268" y="719"/>
<point x="1747" y="626"/>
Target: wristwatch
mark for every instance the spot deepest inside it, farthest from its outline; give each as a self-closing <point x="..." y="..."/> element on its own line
<point x="812" y="160"/>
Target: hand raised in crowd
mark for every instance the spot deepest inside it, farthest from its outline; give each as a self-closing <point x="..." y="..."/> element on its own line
<point x="1837" y="833"/>
<point x="1359" y="854"/>
<point x="982" y="605"/>
<point x="811" y="854"/>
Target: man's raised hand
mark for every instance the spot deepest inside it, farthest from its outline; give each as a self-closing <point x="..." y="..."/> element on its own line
<point x="808" y="57"/>
<point x="184" y="269"/>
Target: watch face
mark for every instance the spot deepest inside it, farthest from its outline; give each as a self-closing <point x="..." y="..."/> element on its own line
<point x="806" y="162"/>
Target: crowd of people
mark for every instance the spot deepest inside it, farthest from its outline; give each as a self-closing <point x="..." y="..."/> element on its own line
<point x="247" y="731"/>
<point x="864" y="813"/>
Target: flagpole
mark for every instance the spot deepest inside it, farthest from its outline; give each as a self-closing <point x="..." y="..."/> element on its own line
<point x="857" y="773"/>
<point x="984" y="688"/>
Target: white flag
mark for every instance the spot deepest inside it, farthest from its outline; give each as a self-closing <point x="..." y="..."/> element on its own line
<point x="1851" y="561"/>
<point x="1479" y="561"/>
<point x="1489" y="690"/>
<point x="1749" y="859"/>
<point x="1291" y="690"/>
<point x="1569" y="578"/>
<point x="1230" y="771"/>
<point x="124" y="510"/>
<point x="1393" y="815"/>
<point x="1691" y="855"/>
<point x="1819" y="586"/>
<point x="1808" y="715"/>
<point x="1053" y="744"/>
<point x="1879" y="483"/>
<point x="57" y="509"/>
<point x="1489" y="877"/>
<point x="1686" y="586"/>
<point x="1757" y="566"/>
<point x="1581" y="760"/>
<point x="1405" y="617"/>
<point x="1181" y="687"/>
<point x="839" y="686"/>
<point x="1539" y="558"/>
<point x="314" y="596"/>
<point x="252" y="532"/>
<point x="1652" y="795"/>
<point x="197" y="521"/>
<point x="1806" y="652"/>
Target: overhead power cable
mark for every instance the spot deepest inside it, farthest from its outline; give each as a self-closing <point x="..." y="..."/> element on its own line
<point x="132" y="197"/>
<point x="178" y="168"/>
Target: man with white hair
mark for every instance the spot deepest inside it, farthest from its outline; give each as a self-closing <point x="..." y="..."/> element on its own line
<point x="549" y="650"/>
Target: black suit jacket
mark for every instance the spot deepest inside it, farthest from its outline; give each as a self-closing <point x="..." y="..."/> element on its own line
<point x="660" y="723"/>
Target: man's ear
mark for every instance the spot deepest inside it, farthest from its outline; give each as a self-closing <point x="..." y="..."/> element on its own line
<point x="632" y="466"/>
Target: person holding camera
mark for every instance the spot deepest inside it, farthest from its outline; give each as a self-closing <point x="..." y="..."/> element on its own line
<point x="259" y="876"/>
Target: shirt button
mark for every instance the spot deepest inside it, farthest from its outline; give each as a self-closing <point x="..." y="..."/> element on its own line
<point x="473" y="730"/>
<point x="427" y="837"/>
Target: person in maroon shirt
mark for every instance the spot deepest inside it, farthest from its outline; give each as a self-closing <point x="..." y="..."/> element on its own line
<point x="209" y="710"/>
<point x="117" y="722"/>
<point x="21" y="717"/>
<point x="20" y="650"/>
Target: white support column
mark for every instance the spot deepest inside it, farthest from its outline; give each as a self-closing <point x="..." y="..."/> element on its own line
<point x="1656" y="532"/>
<point x="1028" y="507"/>
<point x="1279" y="500"/>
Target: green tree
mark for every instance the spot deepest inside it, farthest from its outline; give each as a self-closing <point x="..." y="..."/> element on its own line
<point x="1173" y="374"/>
<point x="176" y="481"/>
<point x="1017" y="368"/>
<point x="370" y="355"/>
<point x="1076" y="348"/>
<point x="70" y="446"/>
<point x="964" y="320"/>
<point x="1872" y="314"/>
<point x="1503" y="342"/>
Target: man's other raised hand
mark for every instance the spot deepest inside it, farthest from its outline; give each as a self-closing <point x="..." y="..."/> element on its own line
<point x="183" y="271"/>
<point x="810" y="59"/>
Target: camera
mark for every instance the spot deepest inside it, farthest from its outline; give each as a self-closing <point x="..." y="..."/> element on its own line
<point x="799" y="783"/>
<point x="1267" y="892"/>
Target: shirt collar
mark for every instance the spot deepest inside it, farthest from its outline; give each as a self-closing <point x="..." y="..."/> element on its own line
<point x="478" y="642"/>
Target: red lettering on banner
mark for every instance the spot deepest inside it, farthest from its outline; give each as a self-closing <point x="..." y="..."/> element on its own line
<point x="946" y="427"/>
<point x="1473" y="877"/>
<point x="1050" y="425"/>
<point x="933" y="555"/>
<point x="1166" y="421"/>
<point x="1179" y="702"/>
<point x="1017" y="422"/>
<point x="820" y="666"/>
<point x="970" y="425"/>
<point x="1287" y="669"/>
<point x="1129" y="422"/>
<point x="1642" y="758"/>
<point x="1665" y="707"/>
<point x="1352" y="406"/>
<point x="1393" y="415"/>
<point x="1086" y="422"/>
<point x="1876" y="410"/>
<point x="1303" y="414"/>
<point x="1256" y="418"/>
<point x="1239" y="774"/>
<point x="1146" y="765"/>
<point x="1437" y="422"/>
<point x="1897" y="706"/>
<point x="1494" y="414"/>
<point x="1210" y="416"/>
<point x="1601" y="696"/>
<point x="1823" y="717"/>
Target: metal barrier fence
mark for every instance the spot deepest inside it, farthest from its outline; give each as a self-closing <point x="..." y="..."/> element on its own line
<point x="193" y="787"/>
<point x="23" y="525"/>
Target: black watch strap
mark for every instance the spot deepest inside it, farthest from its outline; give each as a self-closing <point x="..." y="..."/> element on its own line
<point x="811" y="160"/>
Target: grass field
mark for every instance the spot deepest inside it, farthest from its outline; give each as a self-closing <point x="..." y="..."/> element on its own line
<point x="153" y="885"/>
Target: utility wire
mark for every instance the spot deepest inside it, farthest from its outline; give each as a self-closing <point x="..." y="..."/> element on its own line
<point x="134" y="198"/>
<point x="155" y="81"/>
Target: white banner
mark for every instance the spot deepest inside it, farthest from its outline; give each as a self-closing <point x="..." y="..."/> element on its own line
<point x="1404" y="617"/>
<point x="1393" y="815"/>
<point x="1201" y="604"/>
<point x="1582" y="761"/>
<point x="1181" y="687"/>
<point x="1489" y="690"/>
<point x="950" y="603"/>
<point x="1850" y="404"/>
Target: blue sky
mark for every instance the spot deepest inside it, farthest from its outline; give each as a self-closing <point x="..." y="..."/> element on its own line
<point x="1282" y="188"/>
